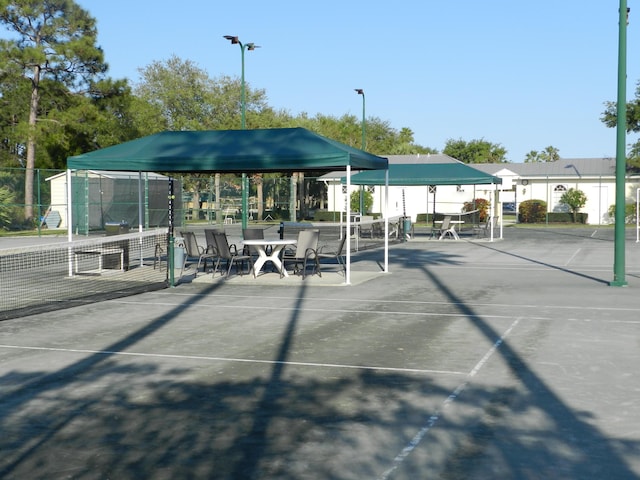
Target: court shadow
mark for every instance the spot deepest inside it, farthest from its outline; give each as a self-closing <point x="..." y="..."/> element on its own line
<point x="564" y="444"/>
<point x="544" y="264"/>
<point x="102" y="417"/>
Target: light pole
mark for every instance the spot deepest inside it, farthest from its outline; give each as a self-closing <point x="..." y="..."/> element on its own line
<point x="243" y="110"/>
<point x="360" y="91"/>
<point x="621" y="159"/>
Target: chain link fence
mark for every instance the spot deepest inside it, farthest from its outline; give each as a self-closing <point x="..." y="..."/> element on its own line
<point x="103" y="198"/>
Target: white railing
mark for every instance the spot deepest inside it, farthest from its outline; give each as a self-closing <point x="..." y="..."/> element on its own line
<point x="637" y="215"/>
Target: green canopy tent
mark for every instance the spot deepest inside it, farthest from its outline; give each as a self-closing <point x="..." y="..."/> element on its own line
<point x="231" y="151"/>
<point x="412" y="174"/>
<point x="416" y="174"/>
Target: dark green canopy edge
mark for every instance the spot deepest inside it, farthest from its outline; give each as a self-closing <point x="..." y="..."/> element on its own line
<point x="401" y="174"/>
<point x="232" y="151"/>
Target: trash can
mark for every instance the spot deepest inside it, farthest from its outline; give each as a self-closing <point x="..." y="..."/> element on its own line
<point x="178" y="252"/>
<point x="406" y="227"/>
<point x="116" y="228"/>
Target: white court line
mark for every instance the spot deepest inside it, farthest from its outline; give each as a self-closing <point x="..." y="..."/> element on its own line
<point x="572" y="257"/>
<point x="330" y="300"/>
<point x="433" y="419"/>
<point x="328" y="310"/>
<point x="236" y="360"/>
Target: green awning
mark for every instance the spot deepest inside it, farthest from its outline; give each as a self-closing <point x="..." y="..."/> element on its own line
<point x="232" y="151"/>
<point x="411" y="174"/>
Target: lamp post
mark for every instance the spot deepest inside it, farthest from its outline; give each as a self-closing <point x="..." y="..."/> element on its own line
<point x="360" y="91"/>
<point x="243" y="110"/>
<point x="621" y="159"/>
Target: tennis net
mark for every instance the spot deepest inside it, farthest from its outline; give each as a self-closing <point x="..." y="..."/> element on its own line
<point x="46" y="277"/>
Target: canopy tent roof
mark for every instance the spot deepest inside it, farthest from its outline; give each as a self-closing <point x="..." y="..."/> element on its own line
<point x="232" y="151"/>
<point x="406" y="174"/>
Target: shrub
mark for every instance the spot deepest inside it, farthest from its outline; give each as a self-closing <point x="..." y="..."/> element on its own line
<point x="330" y="216"/>
<point x="8" y="212"/>
<point x="567" y="217"/>
<point x="575" y="199"/>
<point x="532" y="211"/>
<point x="629" y="213"/>
<point x="480" y="204"/>
<point x="326" y="216"/>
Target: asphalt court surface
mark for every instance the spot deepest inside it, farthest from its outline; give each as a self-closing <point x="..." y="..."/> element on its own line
<point x="505" y="359"/>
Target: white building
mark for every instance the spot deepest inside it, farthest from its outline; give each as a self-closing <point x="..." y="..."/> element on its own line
<point x="520" y="181"/>
<point x="596" y="177"/>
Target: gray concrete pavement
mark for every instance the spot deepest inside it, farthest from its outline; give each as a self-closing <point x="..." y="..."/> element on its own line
<point x="507" y="359"/>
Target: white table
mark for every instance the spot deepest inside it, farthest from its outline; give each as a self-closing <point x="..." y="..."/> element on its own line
<point x="273" y="257"/>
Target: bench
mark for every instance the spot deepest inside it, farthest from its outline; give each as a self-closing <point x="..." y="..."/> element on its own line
<point x="103" y="254"/>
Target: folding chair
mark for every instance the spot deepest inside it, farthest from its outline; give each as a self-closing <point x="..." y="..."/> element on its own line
<point x="447" y="229"/>
<point x="306" y="250"/>
<point x="485" y="229"/>
<point x="228" y="252"/>
<point x="333" y="254"/>
<point x="252" y="234"/>
<point x="193" y="250"/>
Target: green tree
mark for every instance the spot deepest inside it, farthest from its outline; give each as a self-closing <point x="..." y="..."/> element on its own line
<point x="187" y="98"/>
<point x="549" y="154"/>
<point x="610" y="119"/>
<point x="475" y="151"/>
<point x="14" y="98"/>
<point x="83" y="123"/>
<point x="6" y="207"/>
<point x="178" y="95"/>
<point x="354" y="201"/>
<point x="575" y="199"/>
<point x="53" y="39"/>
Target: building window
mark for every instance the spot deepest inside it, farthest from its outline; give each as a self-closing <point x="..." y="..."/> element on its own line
<point x="557" y="206"/>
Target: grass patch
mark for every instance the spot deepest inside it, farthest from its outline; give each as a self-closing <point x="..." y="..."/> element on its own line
<point x="31" y="233"/>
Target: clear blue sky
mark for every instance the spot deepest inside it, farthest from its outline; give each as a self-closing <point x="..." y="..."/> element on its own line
<point x="522" y="74"/>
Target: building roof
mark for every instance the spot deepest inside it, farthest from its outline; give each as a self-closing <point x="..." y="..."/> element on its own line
<point x="564" y="167"/>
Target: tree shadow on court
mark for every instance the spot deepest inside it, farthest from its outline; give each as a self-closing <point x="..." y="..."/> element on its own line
<point x="560" y="443"/>
<point x="101" y="417"/>
<point x="544" y="264"/>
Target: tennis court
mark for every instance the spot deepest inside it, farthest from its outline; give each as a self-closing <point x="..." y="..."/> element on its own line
<point x="506" y="359"/>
